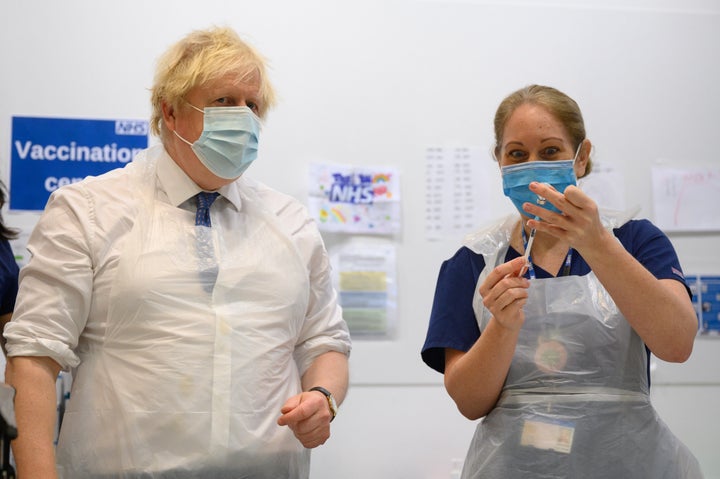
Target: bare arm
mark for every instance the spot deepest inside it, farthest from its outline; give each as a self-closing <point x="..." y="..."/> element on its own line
<point x="660" y="311"/>
<point x="308" y="413"/>
<point x="329" y="370"/>
<point x="4" y="319"/>
<point x="36" y="414"/>
<point x="475" y="379"/>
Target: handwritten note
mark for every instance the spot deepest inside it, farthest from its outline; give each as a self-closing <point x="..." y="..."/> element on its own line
<point x="686" y="199"/>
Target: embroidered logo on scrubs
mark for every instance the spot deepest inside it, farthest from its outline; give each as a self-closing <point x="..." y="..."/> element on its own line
<point x="550" y="355"/>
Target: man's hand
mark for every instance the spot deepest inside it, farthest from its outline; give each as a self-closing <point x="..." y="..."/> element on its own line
<point x="308" y="415"/>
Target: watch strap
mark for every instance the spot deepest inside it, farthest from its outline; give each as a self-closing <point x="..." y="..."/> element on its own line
<point x="330" y="399"/>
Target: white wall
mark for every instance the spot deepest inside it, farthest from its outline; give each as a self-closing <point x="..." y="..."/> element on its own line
<point x="376" y="82"/>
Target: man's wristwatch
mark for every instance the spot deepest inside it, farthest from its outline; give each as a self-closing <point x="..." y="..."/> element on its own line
<point x="330" y="400"/>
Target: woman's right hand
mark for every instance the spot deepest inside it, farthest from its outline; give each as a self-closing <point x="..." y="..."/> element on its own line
<point x="505" y="292"/>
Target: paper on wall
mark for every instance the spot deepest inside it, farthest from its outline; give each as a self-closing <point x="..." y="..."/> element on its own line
<point x="686" y="199"/>
<point x="348" y="199"/>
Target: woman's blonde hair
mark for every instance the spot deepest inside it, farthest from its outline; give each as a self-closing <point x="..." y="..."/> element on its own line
<point x="561" y="106"/>
<point x="203" y="56"/>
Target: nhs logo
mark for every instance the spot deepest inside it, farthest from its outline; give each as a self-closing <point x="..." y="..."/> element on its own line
<point x="355" y="189"/>
<point x="131" y="127"/>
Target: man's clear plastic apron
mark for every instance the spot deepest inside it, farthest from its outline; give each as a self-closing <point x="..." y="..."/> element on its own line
<point x="189" y="378"/>
<point x="576" y="399"/>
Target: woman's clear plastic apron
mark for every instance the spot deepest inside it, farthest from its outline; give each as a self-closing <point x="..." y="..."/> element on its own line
<point x="189" y="378"/>
<point x="576" y="399"/>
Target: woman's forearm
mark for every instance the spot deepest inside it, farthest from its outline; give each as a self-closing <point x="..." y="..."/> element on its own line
<point x="475" y="379"/>
<point x="660" y="311"/>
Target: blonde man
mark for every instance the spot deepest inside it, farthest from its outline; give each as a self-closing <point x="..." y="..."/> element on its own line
<point x="193" y="305"/>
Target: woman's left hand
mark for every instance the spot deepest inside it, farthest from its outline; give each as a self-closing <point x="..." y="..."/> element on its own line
<point x="579" y="223"/>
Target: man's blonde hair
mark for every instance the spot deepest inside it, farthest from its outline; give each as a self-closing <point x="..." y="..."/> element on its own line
<point x="201" y="57"/>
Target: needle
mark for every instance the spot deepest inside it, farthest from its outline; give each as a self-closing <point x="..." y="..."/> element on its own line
<point x="524" y="269"/>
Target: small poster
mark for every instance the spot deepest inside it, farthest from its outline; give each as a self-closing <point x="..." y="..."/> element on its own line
<point x="706" y="300"/>
<point x="347" y="199"/>
<point x="463" y="191"/>
<point x="365" y="278"/>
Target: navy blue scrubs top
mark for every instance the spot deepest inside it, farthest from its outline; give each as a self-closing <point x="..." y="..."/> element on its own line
<point x="8" y="278"/>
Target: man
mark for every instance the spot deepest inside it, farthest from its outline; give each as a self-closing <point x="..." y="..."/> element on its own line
<point x="193" y="305"/>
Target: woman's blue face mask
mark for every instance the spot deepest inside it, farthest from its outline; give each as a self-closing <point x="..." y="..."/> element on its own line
<point x="517" y="178"/>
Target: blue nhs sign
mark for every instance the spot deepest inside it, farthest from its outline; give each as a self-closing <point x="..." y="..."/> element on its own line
<point x="48" y="153"/>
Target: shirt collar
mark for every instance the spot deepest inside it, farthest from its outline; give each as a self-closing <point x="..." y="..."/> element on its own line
<point x="179" y="187"/>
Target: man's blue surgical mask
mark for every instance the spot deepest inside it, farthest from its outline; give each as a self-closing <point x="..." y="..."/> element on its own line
<point x="229" y="140"/>
<point x="517" y="178"/>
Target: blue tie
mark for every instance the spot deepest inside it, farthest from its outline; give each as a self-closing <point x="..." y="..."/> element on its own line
<point x="204" y="201"/>
<point x="207" y="263"/>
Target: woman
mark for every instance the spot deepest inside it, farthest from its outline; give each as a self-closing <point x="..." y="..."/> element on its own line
<point x="552" y="347"/>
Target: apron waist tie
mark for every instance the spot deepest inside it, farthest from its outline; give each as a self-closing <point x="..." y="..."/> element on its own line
<point x="542" y="395"/>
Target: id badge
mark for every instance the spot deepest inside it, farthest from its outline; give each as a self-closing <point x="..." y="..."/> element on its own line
<point x="548" y="435"/>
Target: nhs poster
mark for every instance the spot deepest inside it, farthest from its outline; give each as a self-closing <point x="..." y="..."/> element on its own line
<point x="357" y="200"/>
<point x="48" y="153"/>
